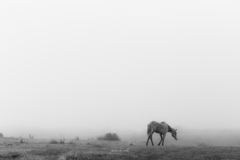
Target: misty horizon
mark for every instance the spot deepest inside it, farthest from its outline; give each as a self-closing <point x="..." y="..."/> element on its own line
<point x="94" y="67"/>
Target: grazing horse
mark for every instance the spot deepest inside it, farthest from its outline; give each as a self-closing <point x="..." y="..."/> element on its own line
<point x="161" y="128"/>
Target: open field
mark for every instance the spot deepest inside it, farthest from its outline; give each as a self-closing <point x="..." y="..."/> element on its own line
<point x="33" y="149"/>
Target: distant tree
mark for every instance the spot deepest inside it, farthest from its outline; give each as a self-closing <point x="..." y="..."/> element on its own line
<point x="110" y="137"/>
<point x="1" y="135"/>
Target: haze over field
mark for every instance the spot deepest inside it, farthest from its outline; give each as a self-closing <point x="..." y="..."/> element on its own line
<point x="114" y="66"/>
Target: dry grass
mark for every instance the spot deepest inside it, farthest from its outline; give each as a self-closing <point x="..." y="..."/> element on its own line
<point x="99" y="150"/>
<point x="10" y="155"/>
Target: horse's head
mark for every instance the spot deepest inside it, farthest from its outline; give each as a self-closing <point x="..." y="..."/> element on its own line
<point x="174" y="134"/>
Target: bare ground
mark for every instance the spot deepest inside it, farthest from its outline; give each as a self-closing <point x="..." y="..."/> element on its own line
<point x="101" y="150"/>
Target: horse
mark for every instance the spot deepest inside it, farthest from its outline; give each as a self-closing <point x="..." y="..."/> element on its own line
<point x="161" y="128"/>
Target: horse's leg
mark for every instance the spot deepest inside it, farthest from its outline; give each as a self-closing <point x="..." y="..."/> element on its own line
<point x="160" y="138"/>
<point x="163" y="138"/>
<point x="147" y="140"/>
<point x="151" y="138"/>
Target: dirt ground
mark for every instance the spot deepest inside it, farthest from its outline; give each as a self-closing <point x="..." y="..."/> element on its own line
<point x="101" y="150"/>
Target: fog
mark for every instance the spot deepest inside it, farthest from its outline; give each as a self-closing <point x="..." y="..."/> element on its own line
<point x="90" y="67"/>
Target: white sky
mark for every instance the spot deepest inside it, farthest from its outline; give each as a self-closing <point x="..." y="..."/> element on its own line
<point x="119" y="64"/>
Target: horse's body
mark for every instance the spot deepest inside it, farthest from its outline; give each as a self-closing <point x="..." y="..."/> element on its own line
<point x="161" y="128"/>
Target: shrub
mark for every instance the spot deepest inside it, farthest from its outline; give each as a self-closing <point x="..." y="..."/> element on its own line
<point x="1" y="135"/>
<point x="53" y="141"/>
<point x="62" y="141"/>
<point x="130" y="144"/>
<point x="21" y="140"/>
<point x="110" y="137"/>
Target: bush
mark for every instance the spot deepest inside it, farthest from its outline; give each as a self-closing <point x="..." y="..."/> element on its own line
<point x="21" y="140"/>
<point x="110" y="137"/>
<point x="53" y="141"/>
<point x="62" y="141"/>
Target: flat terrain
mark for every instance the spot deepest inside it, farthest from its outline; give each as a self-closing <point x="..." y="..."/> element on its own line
<point x="32" y="149"/>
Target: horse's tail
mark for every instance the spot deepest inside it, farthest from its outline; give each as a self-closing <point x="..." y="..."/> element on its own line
<point x="149" y="128"/>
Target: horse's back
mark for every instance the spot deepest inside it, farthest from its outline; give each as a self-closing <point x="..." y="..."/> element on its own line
<point x="163" y="123"/>
<point x="160" y="127"/>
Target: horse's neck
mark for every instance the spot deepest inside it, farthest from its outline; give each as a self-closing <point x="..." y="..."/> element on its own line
<point x="170" y="129"/>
